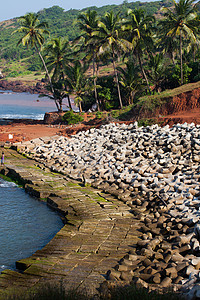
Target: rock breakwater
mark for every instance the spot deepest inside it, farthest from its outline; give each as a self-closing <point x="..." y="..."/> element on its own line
<point x="155" y="171"/>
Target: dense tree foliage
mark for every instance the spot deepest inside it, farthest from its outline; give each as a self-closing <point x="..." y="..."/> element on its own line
<point x="181" y="22"/>
<point x="64" y="23"/>
<point x="147" y="54"/>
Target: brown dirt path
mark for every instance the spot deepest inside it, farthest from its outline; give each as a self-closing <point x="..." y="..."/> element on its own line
<point x="188" y="116"/>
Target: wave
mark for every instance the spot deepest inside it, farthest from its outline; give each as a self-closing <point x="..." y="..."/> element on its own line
<point x="6" y="184"/>
<point x="21" y="116"/>
<point x="6" y="93"/>
<point x="3" y="267"/>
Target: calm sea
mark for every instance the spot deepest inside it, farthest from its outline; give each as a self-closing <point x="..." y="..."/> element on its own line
<point x="25" y="106"/>
<point x="26" y="224"/>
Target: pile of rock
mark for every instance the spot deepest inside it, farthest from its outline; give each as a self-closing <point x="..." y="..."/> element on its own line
<point x="166" y="256"/>
<point x="128" y="158"/>
<point x="156" y="172"/>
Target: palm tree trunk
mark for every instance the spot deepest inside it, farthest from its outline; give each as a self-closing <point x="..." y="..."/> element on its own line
<point x="42" y="59"/>
<point x="181" y="58"/>
<point x="95" y="82"/>
<point x="68" y="99"/>
<point x="49" y="78"/>
<point x="117" y="81"/>
<point x="171" y="56"/>
<point x="69" y="102"/>
<point x="173" y="60"/>
<point x="80" y="107"/>
<point x="56" y="105"/>
<point x="194" y="55"/>
<point x="143" y="73"/>
<point x="60" y="106"/>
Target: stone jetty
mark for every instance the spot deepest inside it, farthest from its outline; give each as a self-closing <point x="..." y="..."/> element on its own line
<point x="154" y="172"/>
<point x="98" y="231"/>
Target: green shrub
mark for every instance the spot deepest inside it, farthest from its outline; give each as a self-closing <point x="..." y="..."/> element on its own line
<point x="26" y="72"/>
<point x="13" y="74"/>
<point x="72" y="118"/>
<point x="34" y="68"/>
<point x="99" y="114"/>
<point x="146" y="122"/>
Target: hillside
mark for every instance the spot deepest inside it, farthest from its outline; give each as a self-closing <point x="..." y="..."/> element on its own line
<point x="61" y="23"/>
<point x="174" y="106"/>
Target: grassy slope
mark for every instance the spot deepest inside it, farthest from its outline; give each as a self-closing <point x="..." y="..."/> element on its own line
<point x="151" y="103"/>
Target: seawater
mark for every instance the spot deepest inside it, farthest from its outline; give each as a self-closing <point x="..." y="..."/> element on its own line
<point x="26" y="224"/>
<point x="24" y="106"/>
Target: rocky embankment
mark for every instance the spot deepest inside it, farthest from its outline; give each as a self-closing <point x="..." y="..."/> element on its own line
<point x="156" y="172"/>
<point x="20" y="87"/>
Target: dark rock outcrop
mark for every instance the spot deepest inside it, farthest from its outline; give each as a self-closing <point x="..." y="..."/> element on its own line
<point x="53" y="117"/>
<point x="20" y="87"/>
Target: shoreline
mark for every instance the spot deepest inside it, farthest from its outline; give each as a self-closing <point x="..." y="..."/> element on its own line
<point x="155" y="172"/>
<point x="142" y="218"/>
<point x="4" y="121"/>
<point x="71" y="247"/>
<point x="30" y="239"/>
<point x="22" y="87"/>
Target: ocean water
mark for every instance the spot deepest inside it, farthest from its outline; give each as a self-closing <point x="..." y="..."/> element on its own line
<point x="26" y="226"/>
<point x="25" y="106"/>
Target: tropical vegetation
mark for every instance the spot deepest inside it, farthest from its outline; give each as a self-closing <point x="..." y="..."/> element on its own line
<point x="140" y="53"/>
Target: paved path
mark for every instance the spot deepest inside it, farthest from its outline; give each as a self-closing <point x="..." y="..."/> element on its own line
<point x="99" y="231"/>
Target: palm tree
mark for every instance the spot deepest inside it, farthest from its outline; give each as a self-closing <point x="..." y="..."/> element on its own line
<point x="157" y="70"/>
<point x="138" y="27"/>
<point x="77" y="82"/>
<point x="33" y="35"/>
<point x="88" y="23"/>
<point x="109" y="33"/>
<point x="181" y="21"/>
<point x="168" y="45"/>
<point x="59" y="95"/>
<point x="130" y="80"/>
<point x="57" y="54"/>
<point x="56" y="50"/>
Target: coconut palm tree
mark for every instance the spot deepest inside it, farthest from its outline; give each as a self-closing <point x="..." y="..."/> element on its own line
<point x="109" y="33"/>
<point x="58" y="53"/>
<point x="56" y="50"/>
<point x="76" y="81"/>
<point x="138" y="28"/>
<point x="88" y="23"/>
<point x="181" y="21"/>
<point x="33" y="35"/>
<point x="168" y="45"/>
<point x="130" y="80"/>
<point x="157" y="70"/>
<point x="59" y="94"/>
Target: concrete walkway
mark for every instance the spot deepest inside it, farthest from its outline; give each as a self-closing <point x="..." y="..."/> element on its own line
<point x="99" y="230"/>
